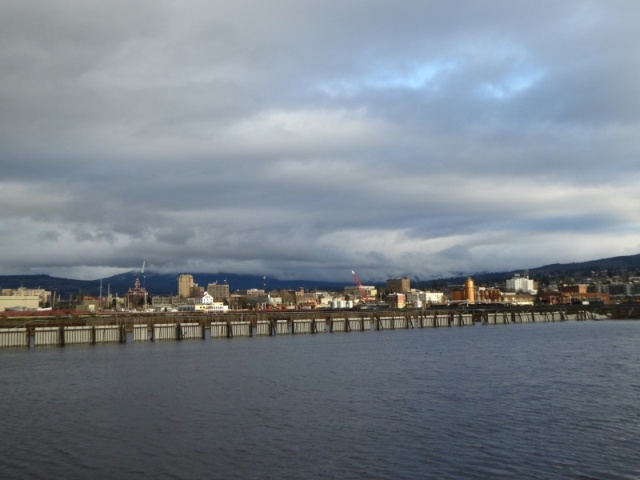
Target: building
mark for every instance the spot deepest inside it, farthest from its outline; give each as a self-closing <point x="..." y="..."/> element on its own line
<point x="488" y="295"/>
<point x="399" y="285"/>
<point x="218" y="292"/>
<point x="136" y="297"/>
<point x="305" y="299"/>
<point x="354" y="291"/>
<point x="521" y="284"/>
<point x="185" y="285"/>
<point x="574" y="294"/>
<point x="24" y="298"/>
<point x="19" y="302"/>
<point x="396" y="300"/>
<point x="215" y="307"/>
<point x="579" y="289"/>
<point x="432" y="298"/>
<point x="159" y="301"/>
<point x="204" y="299"/>
<point x="465" y="293"/>
<point x="256" y="298"/>
<point x="323" y="299"/>
<point x="518" y="298"/>
<point x="414" y="299"/>
<point x="420" y="299"/>
<point x="579" y="293"/>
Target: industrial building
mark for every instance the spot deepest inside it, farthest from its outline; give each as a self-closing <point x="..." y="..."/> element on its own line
<point x="465" y="293"/>
<point x="399" y="285"/>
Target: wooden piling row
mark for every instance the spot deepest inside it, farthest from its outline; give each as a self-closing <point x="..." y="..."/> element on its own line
<point x="156" y="328"/>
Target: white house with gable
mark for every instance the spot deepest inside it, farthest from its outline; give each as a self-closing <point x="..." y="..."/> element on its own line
<point x="204" y="299"/>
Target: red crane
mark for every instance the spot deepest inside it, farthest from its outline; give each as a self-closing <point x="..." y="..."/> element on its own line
<point x="363" y="294"/>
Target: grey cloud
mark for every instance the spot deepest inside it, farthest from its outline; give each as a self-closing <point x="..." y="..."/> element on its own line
<point x="312" y="139"/>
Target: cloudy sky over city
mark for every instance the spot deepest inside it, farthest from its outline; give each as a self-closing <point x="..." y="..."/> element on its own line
<point x="304" y="139"/>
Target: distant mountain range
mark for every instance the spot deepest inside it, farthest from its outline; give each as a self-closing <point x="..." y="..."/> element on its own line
<point x="166" y="284"/>
<point x="157" y="283"/>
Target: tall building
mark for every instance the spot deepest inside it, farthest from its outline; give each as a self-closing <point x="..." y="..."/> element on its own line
<point x="185" y="284"/>
<point x="399" y="285"/>
<point x="218" y="292"/>
<point x="521" y="284"/>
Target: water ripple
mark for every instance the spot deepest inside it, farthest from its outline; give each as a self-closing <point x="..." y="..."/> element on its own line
<point x="521" y="401"/>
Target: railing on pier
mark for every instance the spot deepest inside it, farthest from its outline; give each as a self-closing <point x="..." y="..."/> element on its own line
<point x="78" y="331"/>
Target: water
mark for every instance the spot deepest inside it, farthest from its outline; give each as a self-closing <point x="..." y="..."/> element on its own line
<point x="556" y="400"/>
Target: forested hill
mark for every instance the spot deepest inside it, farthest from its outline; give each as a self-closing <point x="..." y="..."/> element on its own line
<point x="622" y="267"/>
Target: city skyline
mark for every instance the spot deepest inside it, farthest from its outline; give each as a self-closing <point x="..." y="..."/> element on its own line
<point x="299" y="141"/>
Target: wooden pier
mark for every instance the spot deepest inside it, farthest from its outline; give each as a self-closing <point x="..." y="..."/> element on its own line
<point x="130" y="328"/>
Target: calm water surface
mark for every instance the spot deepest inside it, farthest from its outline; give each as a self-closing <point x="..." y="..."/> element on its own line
<point x="558" y="400"/>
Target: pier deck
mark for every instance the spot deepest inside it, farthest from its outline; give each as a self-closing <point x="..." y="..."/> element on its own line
<point x="136" y="327"/>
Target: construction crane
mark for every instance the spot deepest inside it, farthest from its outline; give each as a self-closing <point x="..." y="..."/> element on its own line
<point x="363" y="294"/>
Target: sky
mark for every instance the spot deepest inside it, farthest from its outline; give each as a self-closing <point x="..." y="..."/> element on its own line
<point x="306" y="139"/>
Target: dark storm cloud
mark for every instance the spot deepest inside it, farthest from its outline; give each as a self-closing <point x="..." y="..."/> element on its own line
<point x="305" y="140"/>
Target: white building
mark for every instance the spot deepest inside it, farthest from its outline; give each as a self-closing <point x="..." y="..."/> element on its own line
<point x="420" y="299"/>
<point x="204" y="299"/>
<point x="215" y="307"/>
<point x="433" y="298"/>
<point x="19" y="302"/>
<point x="23" y="298"/>
<point x="521" y="284"/>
